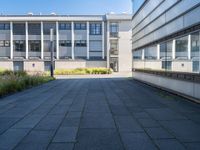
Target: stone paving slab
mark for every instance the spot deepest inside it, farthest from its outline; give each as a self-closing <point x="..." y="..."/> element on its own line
<point x="98" y="114"/>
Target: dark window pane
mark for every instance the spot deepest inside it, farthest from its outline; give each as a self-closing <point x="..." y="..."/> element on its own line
<point x="19" y="28"/>
<point x="34" y="29"/>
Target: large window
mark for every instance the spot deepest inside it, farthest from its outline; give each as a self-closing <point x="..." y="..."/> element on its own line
<point x="114" y="47"/>
<point x="4" y="26"/>
<point x="114" y="27"/>
<point x="48" y="26"/>
<point x="182" y="48"/>
<point x="137" y="54"/>
<point x="80" y="26"/>
<point x="80" y="43"/>
<point x="19" y="46"/>
<point x="150" y="53"/>
<point x="166" y="50"/>
<point x="65" y="43"/>
<point x="19" y="28"/>
<point x="35" y="46"/>
<point x="95" y="29"/>
<point x="34" y="28"/>
<point x="64" y="26"/>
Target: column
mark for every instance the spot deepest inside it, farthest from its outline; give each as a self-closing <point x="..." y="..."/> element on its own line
<point x="42" y="41"/>
<point x="72" y="26"/>
<point x="143" y="54"/>
<point x="103" y="38"/>
<point x="158" y="51"/>
<point x="26" y="40"/>
<point x="189" y="46"/>
<point x="174" y="49"/>
<point x="108" y="44"/>
<point x="88" y="40"/>
<point x="57" y="41"/>
<point x="11" y="40"/>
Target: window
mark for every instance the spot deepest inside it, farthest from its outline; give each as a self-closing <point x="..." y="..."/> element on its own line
<point x="95" y="29"/>
<point x="34" y="29"/>
<point x="65" y="26"/>
<point x="166" y="50"/>
<point x="80" y="43"/>
<point x="4" y="26"/>
<point x="182" y="48"/>
<point x="65" y="43"/>
<point x="151" y="53"/>
<point x="137" y="54"/>
<point x="114" y="47"/>
<point x="47" y="45"/>
<point x="114" y="29"/>
<point x="1" y="43"/>
<point x="167" y="65"/>
<point x="19" y="46"/>
<point x="19" y="28"/>
<point x="48" y="26"/>
<point x="196" y="66"/>
<point x="35" y="46"/>
<point x="4" y="43"/>
<point x="80" y="26"/>
<point x="195" y="49"/>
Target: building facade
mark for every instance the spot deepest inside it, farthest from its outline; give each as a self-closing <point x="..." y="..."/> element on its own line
<point x="79" y="41"/>
<point x="166" y="35"/>
<point x="166" y="44"/>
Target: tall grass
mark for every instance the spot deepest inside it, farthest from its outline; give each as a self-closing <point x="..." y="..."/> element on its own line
<point x="11" y="82"/>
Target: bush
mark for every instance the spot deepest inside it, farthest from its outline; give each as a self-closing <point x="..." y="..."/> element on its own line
<point x="82" y="71"/>
<point x="11" y="82"/>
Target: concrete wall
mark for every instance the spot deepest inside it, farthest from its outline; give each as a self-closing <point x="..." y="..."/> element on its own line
<point x="185" y="88"/>
<point x="125" y="53"/>
<point x="79" y="64"/>
<point x="34" y="66"/>
<point x="8" y="65"/>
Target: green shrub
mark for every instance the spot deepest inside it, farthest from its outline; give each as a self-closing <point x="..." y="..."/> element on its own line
<point x="11" y="82"/>
<point x="82" y="71"/>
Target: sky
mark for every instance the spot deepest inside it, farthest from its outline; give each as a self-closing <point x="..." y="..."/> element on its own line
<point x="67" y="7"/>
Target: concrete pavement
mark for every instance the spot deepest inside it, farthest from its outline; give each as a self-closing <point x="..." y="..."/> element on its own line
<point x="98" y="114"/>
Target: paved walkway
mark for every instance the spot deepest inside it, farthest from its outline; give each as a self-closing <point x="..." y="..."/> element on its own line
<point x="98" y="114"/>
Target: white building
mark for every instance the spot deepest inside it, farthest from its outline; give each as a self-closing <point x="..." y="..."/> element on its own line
<point x="80" y="41"/>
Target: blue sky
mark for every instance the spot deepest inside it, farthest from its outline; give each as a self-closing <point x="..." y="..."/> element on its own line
<point x="65" y="6"/>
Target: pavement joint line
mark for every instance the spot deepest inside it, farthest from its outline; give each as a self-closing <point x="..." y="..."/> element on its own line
<point x="169" y="131"/>
<point x="38" y="122"/>
<point x="77" y="85"/>
<point x="26" y="114"/>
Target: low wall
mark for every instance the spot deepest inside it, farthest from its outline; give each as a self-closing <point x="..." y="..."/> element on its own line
<point x="8" y="65"/>
<point x="79" y="64"/>
<point x="189" y="87"/>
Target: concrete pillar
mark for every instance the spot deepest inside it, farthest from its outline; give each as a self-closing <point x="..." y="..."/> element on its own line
<point x="11" y="40"/>
<point x="158" y="51"/>
<point x="189" y="46"/>
<point x="103" y="38"/>
<point x="42" y="41"/>
<point x="57" y="40"/>
<point x="108" y="44"/>
<point x="72" y="25"/>
<point x="26" y="26"/>
<point x="174" y="49"/>
<point x="143" y="53"/>
<point x="88" y="40"/>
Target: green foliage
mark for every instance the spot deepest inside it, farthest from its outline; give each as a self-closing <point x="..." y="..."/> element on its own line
<point x="11" y="82"/>
<point x="82" y="71"/>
